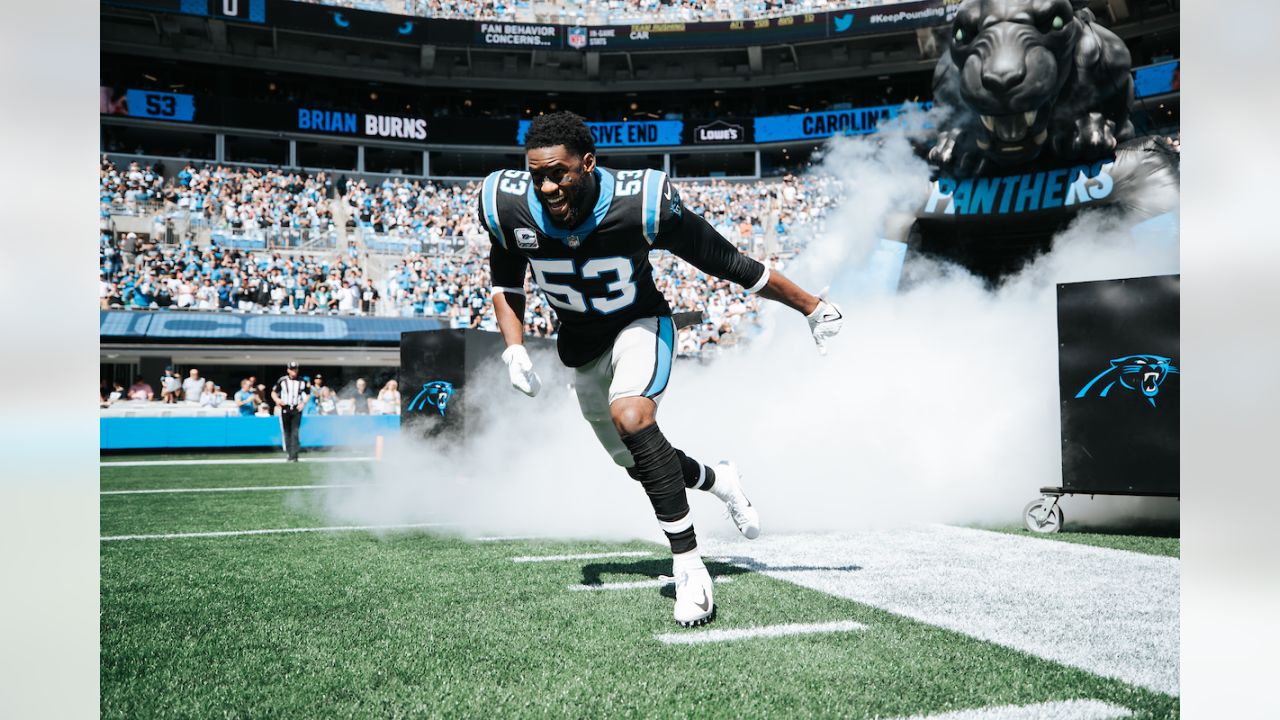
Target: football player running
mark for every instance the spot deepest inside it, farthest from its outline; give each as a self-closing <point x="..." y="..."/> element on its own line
<point x="586" y="233"/>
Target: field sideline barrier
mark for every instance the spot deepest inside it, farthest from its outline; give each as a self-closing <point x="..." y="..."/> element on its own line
<point x="235" y="431"/>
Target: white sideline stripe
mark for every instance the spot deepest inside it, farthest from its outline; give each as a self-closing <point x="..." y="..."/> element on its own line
<point x="506" y="538"/>
<point x="1109" y="612"/>
<point x="1061" y="710"/>
<point x="637" y="584"/>
<point x="766" y="631"/>
<point x="223" y="489"/>
<point x="584" y="556"/>
<point x="275" y="531"/>
<point x="256" y="461"/>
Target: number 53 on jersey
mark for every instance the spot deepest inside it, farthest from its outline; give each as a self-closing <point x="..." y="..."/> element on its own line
<point x="621" y="291"/>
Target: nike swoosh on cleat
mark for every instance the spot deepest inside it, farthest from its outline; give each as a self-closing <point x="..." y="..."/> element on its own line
<point x="705" y="604"/>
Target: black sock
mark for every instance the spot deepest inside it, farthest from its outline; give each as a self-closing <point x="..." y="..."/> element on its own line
<point x="695" y="471"/>
<point x="660" y="472"/>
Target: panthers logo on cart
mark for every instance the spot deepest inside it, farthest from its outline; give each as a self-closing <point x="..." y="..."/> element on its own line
<point x="435" y="393"/>
<point x="1135" y="373"/>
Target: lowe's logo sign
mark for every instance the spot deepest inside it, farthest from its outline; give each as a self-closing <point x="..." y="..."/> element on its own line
<point x="719" y="132"/>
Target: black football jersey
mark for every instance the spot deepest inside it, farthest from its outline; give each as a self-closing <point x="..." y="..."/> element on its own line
<point x="597" y="275"/>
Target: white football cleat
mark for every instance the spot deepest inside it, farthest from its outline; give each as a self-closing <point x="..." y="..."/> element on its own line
<point x="728" y="488"/>
<point x="694" y="602"/>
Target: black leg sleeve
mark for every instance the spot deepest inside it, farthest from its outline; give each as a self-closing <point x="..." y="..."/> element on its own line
<point x="659" y="471"/>
<point x="696" y="475"/>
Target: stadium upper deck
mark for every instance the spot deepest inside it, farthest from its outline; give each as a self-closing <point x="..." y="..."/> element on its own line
<point x="603" y="12"/>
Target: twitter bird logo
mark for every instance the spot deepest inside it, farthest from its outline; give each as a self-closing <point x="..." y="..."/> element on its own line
<point x="843" y="22"/>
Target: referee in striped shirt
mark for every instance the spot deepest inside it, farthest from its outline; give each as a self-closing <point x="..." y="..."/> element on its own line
<point x="290" y="395"/>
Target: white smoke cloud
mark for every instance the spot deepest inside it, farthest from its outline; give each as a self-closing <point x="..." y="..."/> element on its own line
<point x="936" y="404"/>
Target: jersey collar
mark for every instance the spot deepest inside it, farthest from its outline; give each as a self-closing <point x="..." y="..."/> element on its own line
<point x="596" y="217"/>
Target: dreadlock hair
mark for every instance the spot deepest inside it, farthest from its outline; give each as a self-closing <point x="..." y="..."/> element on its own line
<point x="560" y="128"/>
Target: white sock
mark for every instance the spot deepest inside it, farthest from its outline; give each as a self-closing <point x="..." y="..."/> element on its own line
<point x="691" y="560"/>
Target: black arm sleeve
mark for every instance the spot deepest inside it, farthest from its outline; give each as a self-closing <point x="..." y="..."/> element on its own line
<point x="693" y="239"/>
<point x="506" y="269"/>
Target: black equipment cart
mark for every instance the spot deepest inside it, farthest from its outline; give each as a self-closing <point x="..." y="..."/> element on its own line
<point x="1118" y="392"/>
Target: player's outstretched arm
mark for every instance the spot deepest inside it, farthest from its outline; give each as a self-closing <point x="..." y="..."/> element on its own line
<point x="692" y="238"/>
<point x="779" y="288"/>
<point x="825" y="318"/>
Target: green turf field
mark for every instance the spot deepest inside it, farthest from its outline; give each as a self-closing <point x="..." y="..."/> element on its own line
<point x="349" y="624"/>
<point x="1141" y="541"/>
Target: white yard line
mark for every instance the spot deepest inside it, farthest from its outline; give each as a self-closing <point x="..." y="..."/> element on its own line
<point x="228" y="461"/>
<point x="1109" y="612"/>
<point x="584" y="556"/>
<point x="276" y="531"/>
<point x="638" y="584"/>
<point x="750" y="633"/>
<point x="1061" y="710"/>
<point x="508" y="538"/>
<point x="223" y="489"/>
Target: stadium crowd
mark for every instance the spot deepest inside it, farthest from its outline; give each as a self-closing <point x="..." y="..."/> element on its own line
<point x="418" y="210"/>
<point x="423" y="253"/>
<point x="186" y="276"/>
<point x="223" y="196"/>
<point x="253" y="397"/>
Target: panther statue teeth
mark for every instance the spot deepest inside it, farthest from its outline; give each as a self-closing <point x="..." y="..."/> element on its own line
<point x="1028" y="80"/>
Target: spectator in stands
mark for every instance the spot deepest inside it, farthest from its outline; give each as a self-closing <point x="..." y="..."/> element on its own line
<point x="328" y="404"/>
<point x="193" y="386"/>
<point x="245" y="398"/>
<point x="360" y="395"/>
<point x="117" y="393"/>
<point x="207" y="296"/>
<point x="314" y="385"/>
<point x="140" y="390"/>
<point x="170" y="386"/>
<point x="211" y="395"/>
<point x="128" y="249"/>
<point x="109" y="393"/>
<point x="389" y="396"/>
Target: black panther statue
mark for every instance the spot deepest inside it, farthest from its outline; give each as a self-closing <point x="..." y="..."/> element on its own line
<point x="1030" y="80"/>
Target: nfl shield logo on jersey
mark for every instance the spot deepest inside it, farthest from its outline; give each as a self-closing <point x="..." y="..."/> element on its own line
<point x="573" y="241"/>
<point x="577" y="38"/>
<point x="526" y="239"/>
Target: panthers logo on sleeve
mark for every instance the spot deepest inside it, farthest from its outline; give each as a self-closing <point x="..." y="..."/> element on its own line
<point x="1142" y="374"/>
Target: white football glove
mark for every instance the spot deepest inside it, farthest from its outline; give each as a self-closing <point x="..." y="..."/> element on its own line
<point x="520" y="368"/>
<point x="824" y="322"/>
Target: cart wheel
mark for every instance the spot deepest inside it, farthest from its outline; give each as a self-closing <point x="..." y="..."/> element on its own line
<point x="1038" y="518"/>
